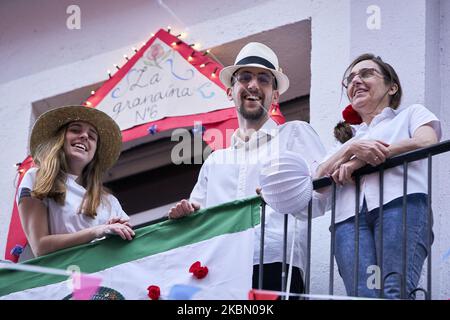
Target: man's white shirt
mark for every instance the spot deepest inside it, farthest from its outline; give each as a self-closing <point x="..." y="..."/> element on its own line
<point x="234" y="173"/>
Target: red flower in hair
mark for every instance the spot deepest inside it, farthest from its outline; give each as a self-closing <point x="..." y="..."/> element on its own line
<point x="154" y="292"/>
<point x="198" y="271"/>
<point x="351" y="116"/>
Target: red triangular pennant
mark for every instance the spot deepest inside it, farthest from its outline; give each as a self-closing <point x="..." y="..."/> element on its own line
<point x="256" y="294"/>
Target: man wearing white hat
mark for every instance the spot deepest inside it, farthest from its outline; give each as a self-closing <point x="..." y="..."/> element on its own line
<point x="280" y="159"/>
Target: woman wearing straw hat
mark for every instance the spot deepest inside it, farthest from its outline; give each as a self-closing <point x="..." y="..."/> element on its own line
<point x="62" y="202"/>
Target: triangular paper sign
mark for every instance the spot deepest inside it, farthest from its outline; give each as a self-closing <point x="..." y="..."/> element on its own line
<point x="165" y="85"/>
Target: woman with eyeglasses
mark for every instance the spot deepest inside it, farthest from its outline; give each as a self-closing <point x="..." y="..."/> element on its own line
<point x="377" y="127"/>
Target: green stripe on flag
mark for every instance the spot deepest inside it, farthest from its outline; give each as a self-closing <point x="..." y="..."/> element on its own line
<point x="205" y="224"/>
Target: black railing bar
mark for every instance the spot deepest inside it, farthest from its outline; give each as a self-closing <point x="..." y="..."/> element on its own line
<point x="430" y="227"/>
<point x="261" y="244"/>
<point x="308" y="250"/>
<point x="333" y="240"/>
<point x="356" y="265"/>
<point x="380" y="219"/>
<point x="404" y="229"/>
<point x="410" y="156"/>
<point x="283" y="266"/>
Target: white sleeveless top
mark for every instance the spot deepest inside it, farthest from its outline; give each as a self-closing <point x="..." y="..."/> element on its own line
<point x="65" y="218"/>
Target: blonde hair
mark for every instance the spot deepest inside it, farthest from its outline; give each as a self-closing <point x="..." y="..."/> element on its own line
<point x="52" y="174"/>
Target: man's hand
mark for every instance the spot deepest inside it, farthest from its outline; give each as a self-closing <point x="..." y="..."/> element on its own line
<point x="182" y="209"/>
<point x="374" y="152"/>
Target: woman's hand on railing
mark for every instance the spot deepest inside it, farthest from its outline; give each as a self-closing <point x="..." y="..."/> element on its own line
<point x="373" y="152"/>
<point x="121" y="229"/>
<point x="343" y="174"/>
<point x="119" y="220"/>
<point x="182" y="209"/>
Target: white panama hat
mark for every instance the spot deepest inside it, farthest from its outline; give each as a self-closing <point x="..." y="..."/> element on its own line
<point x="256" y="54"/>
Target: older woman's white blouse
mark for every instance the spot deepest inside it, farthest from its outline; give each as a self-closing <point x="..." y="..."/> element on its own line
<point x="389" y="126"/>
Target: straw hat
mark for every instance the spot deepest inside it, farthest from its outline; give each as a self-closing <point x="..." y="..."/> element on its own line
<point x="256" y="54"/>
<point x="110" y="137"/>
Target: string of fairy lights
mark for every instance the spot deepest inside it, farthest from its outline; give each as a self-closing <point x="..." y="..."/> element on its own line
<point x="191" y="58"/>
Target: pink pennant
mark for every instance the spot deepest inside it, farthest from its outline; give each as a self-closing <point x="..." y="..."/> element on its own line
<point x="84" y="286"/>
<point x="256" y="294"/>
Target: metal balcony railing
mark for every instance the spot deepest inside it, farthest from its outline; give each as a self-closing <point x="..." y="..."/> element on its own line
<point x="402" y="159"/>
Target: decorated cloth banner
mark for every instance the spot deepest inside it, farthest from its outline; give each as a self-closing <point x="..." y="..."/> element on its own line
<point x="161" y="255"/>
<point x="165" y="79"/>
<point x="161" y="84"/>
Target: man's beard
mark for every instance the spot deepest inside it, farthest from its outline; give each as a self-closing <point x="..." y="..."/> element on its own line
<point x="252" y="115"/>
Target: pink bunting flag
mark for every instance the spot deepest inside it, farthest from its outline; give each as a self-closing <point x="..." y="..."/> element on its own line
<point x="257" y="294"/>
<point x="84" y="286"/>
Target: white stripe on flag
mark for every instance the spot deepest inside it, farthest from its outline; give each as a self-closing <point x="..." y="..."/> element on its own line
<point x="229" y="258"/>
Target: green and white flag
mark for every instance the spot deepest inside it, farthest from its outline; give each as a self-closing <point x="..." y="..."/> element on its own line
<point x="221" y="238"/>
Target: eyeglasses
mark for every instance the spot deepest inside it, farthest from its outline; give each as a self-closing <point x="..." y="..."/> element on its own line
<point x="263" y="78"/>
<point x="364" y="74"/>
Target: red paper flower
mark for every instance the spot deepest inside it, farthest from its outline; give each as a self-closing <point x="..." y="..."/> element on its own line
<point x="156" y="51"/>
<point x="198" y="271"/>
<point x="154" y="292"/>
<point x="351" y="116"/>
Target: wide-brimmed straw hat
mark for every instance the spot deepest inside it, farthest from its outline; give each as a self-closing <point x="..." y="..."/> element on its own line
<point x="256" y="54"/>
<point x="110" y="137"/>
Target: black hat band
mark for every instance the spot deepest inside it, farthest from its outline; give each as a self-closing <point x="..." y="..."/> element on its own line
<point x="257" y="60"/>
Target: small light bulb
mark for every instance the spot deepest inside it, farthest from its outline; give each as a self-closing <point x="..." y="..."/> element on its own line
<point x="92" y="92"/>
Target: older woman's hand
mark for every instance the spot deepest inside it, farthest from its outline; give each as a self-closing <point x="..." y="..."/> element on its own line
<point x="343" y="174"/>
<point x="373" y="152"/>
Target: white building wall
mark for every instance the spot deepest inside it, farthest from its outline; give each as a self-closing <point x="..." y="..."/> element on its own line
<point x="442" y="190"/>
<point x="41" y="58"/>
